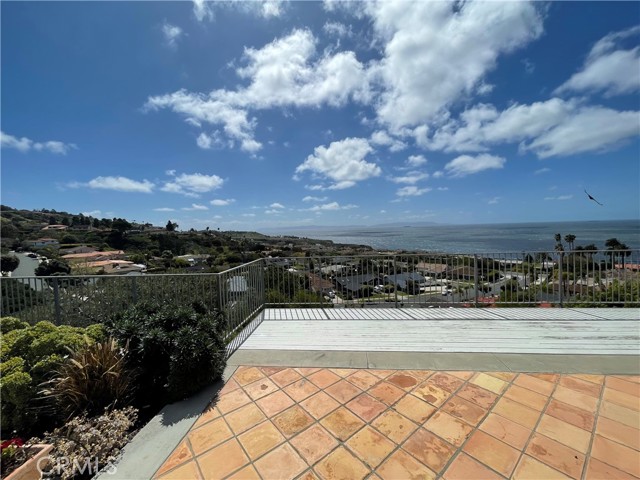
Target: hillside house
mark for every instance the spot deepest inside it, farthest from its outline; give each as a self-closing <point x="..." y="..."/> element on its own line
<point x="356" y="285"/>
<point x="56" y="227"/>
<point x="94" y="256"/>
<point x="78" y="249"/>
<point x="402" y="280"/>
<point x="42" y="243"/>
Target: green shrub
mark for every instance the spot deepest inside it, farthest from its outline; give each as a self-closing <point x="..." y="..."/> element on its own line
<point x="29" y="354"/>
<point x="11" y="323"/>
<point x="175" y="350"/>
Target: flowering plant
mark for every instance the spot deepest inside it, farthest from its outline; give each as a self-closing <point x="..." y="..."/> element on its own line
<point x="14" y="452"/>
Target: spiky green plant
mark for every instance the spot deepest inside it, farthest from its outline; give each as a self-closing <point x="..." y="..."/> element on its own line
<point x="94" y="378"/>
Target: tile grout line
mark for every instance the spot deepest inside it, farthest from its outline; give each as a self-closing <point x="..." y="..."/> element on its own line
<point x="596" y="418"/>
<point x="195" y="459"/>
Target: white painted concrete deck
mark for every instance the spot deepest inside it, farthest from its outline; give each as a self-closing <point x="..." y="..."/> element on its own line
<point x="573" y="331"/>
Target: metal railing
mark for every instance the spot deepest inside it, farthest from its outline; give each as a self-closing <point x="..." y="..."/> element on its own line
<point x="241" y="298"/>
<point x="587" y="278"/>
<point x="573" y="278"/>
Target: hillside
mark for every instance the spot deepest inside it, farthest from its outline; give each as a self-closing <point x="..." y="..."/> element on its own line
<point x="155" y="246"/>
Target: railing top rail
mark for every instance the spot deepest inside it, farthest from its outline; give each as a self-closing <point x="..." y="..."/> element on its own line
<point x="244" y="265"/>
<point x="146" y="275"/>
<point x="455" y="254"/>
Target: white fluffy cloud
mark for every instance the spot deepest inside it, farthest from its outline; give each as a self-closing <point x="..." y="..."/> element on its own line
<point x="410" y="178"/>
<point x="330" y="206"/>
<point x="119" y="184"/>
<point x="554" y="127"/>
<point x="276" y="205"/>
<point x="416" y="161"/>
<point x="437" y="52"/>
<point x="412" y="191"/>
<point x="608" y="68"/>
<point x="381" y="137"/>
<point x="199" y="108"/>
<point x="164" y="209"/>
<point x="559" y="197"/>
<point x="271" y="8"/>
<point x="192" y="184"/>
<point x="287" y="72"/>
<point x="343" y="162"/>
<point x="591" y="129"/>
<point x="468" y="165"/>
<point x="172" y="34"/>
<point x="310" y="198"/>
<point x="337" y="29"/>
<point x="220" y="202"/>
<point x="195" y="206"/>
<point x="203" y="10"/>
<point x="25" y="145"/>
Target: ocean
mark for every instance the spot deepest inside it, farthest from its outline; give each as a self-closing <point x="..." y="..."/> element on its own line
<point x="510" y="238"/>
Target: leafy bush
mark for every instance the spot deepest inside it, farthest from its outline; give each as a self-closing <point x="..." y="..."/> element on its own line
<point x="8" y="263"/>
<point x="93" y="379"/>
<point x="89" y="442"/>
<point x="175" y="350"/>
<point x="28" y="354"/>
<point x="11" y="323"/>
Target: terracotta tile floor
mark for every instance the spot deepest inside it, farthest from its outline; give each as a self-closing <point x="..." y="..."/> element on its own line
<point x="310" y="423"/>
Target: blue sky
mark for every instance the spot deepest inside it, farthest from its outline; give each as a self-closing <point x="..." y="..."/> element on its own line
<point x="266" y="114"/>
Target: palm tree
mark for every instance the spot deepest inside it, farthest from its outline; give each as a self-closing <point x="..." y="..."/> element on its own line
<point x="613" y="245"/>
<point x="569" y="238"/>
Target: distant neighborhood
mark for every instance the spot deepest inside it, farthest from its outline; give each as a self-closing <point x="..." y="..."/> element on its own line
<point x="79" y="244"/>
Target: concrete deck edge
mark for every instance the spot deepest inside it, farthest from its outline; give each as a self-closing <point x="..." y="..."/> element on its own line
<point x="151" y="446"/>
<point x="514" y="362"/>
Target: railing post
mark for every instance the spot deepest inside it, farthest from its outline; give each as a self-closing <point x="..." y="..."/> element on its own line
<point x="219" y="277"/>
<point x="561" y="281"/>
<point x="475" y="279"/>
<point x="395" y="281"/>
<point x="56" y="301"/>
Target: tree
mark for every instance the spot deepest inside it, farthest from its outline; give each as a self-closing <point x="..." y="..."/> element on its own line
<point x="69" y="239"/>
<point x="8" y="230"/>
<point x="96" y="223"/>
<point x="559" y="247"/>
<point x="569" y="238"/>
<point x="171" y="226"/>
<point x="613" y="245"/>
<point x="8" y="263"/>
<point x="53" y="267"/>
<point x="121" y="225"/>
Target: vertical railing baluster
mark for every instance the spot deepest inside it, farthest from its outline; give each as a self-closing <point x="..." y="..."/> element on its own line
<point x="56" y="301"/>
<point x="475" y="280"/>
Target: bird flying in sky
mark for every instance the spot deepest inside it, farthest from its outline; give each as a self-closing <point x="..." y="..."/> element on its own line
<point x="591" y="198"/>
